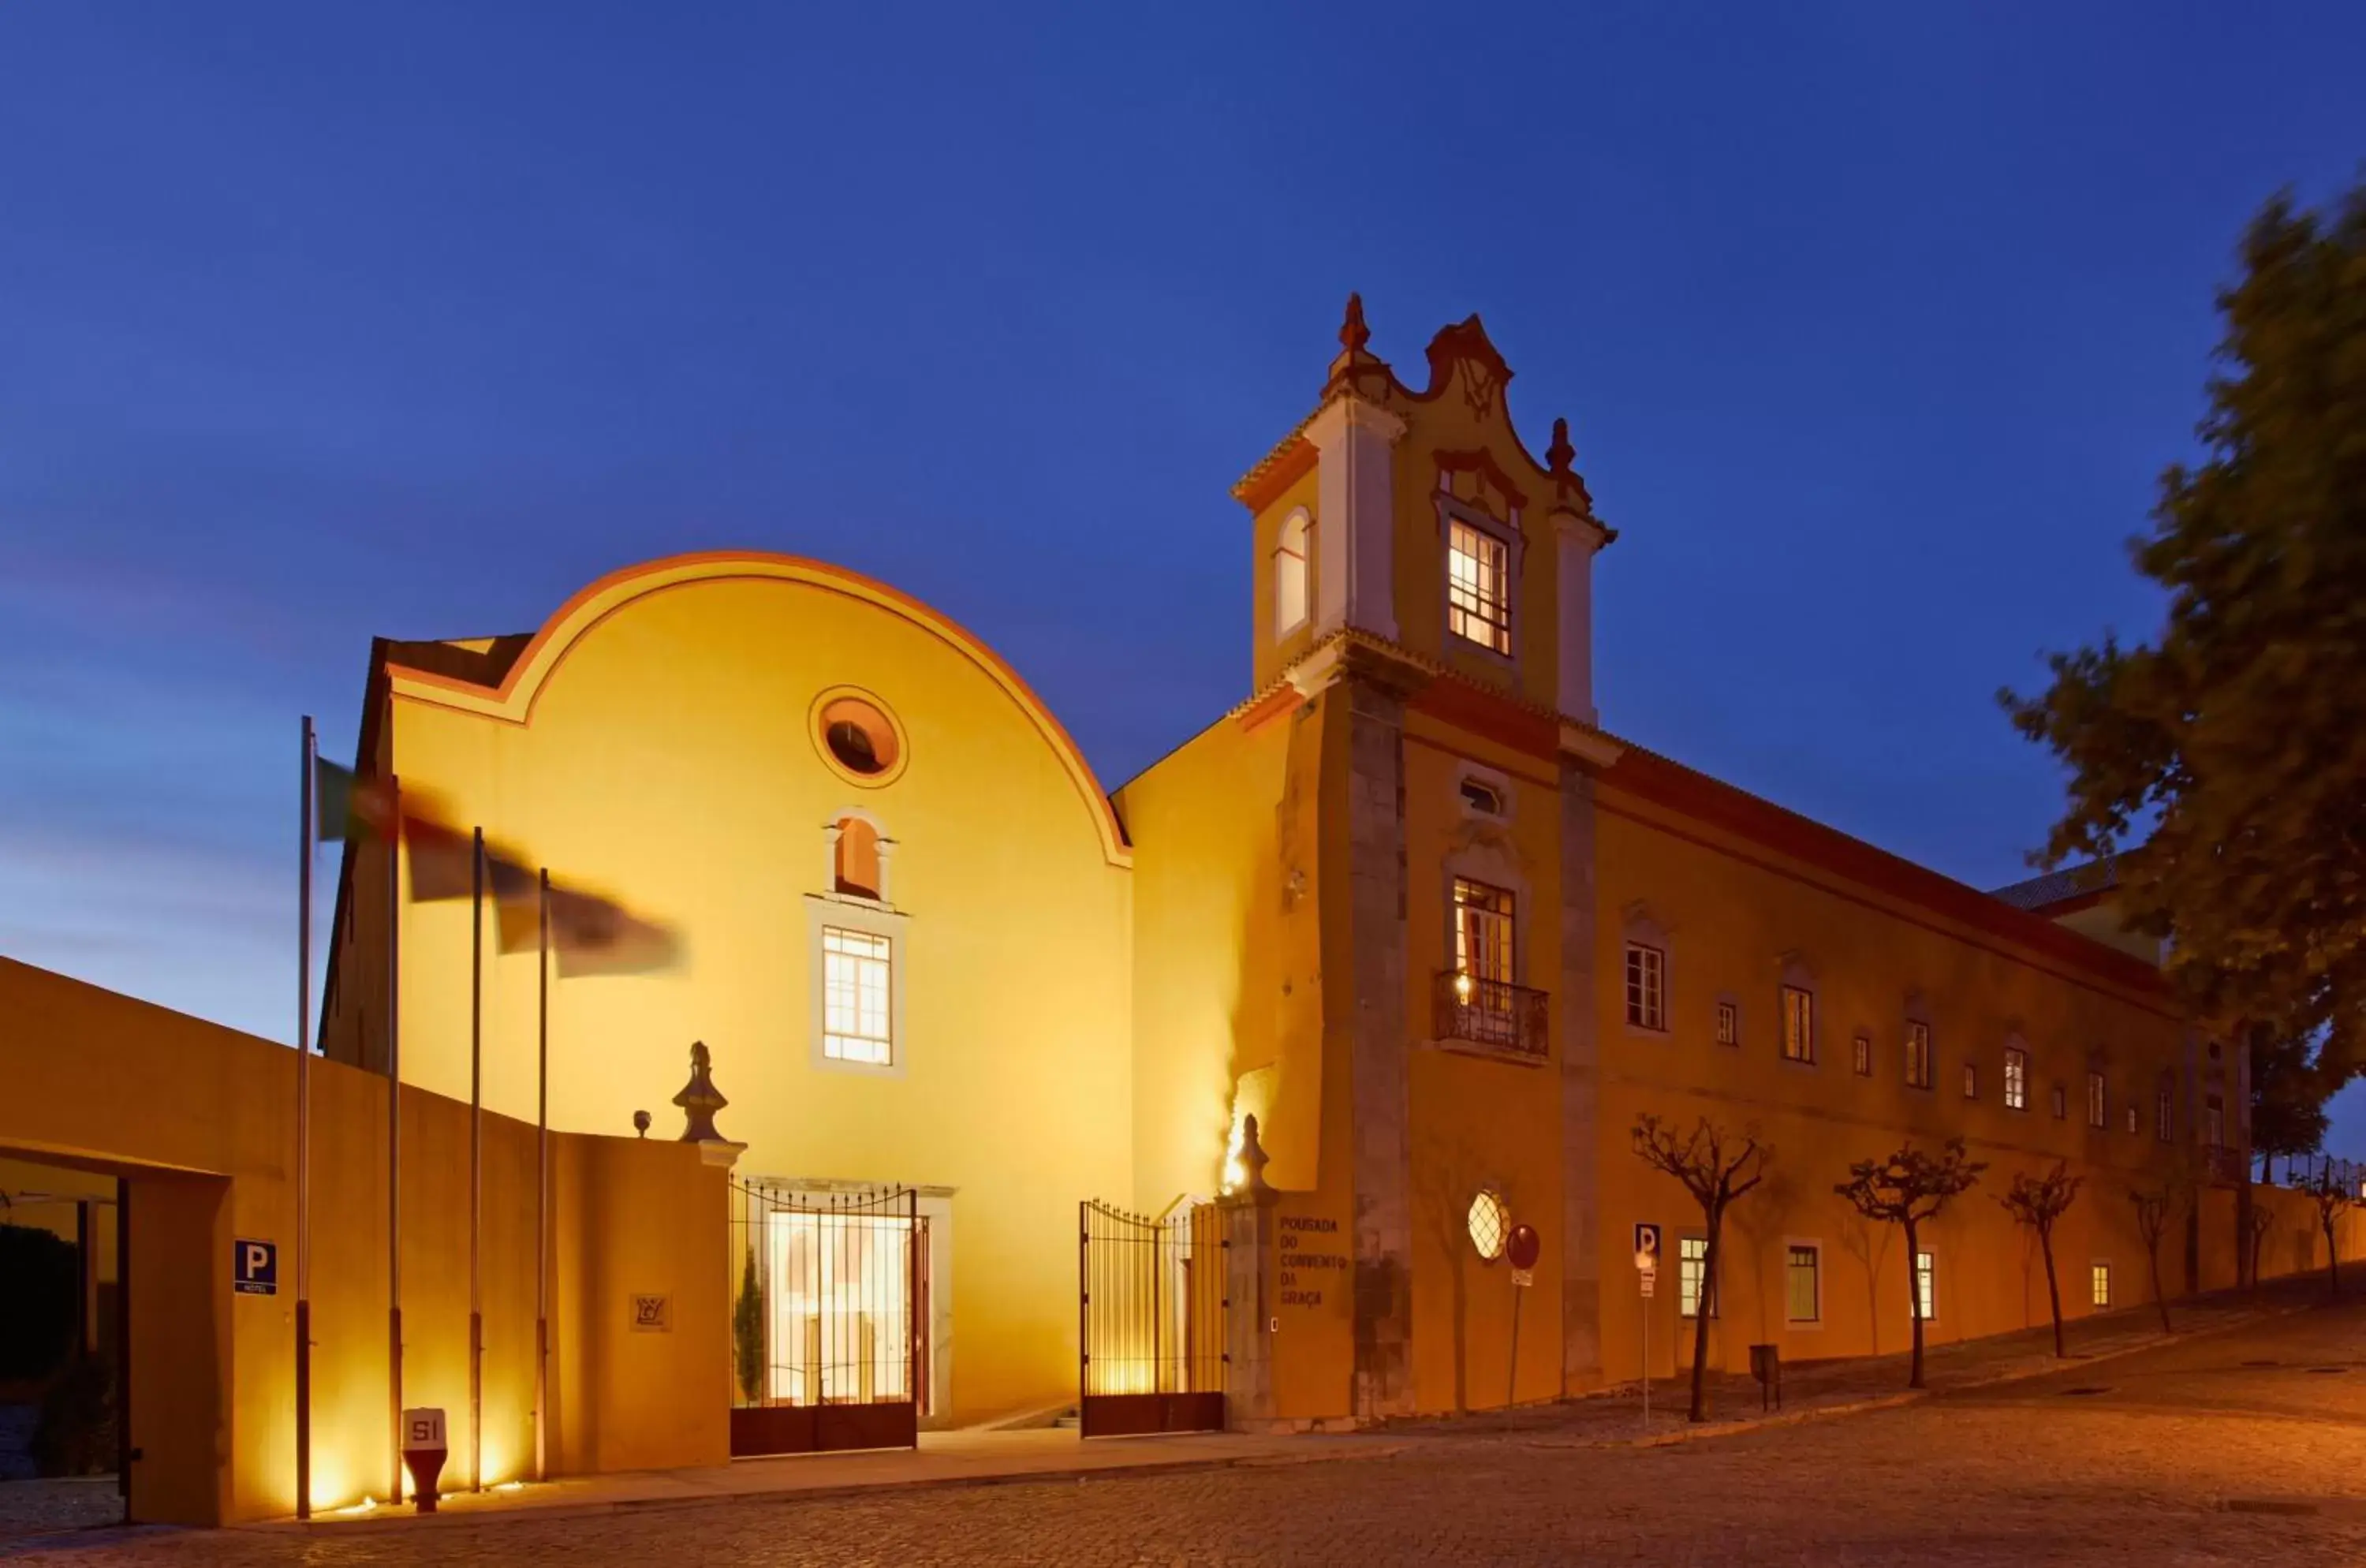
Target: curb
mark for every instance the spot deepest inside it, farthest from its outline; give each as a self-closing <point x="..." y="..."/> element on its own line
<point x="390" y="1520"/>
<point x="1913" y="1396"/>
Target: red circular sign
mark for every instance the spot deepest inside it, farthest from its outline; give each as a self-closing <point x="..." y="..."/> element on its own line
<point x="1523" y="1247"/>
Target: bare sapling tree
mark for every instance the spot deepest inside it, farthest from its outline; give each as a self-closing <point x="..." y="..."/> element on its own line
<point x="2256" y="1222"/>
<point x="2037" y="1202"/>
<point x="2332" y="1199"/>
<point x="1906" y="1188"/>
<point x="2156" y="1207"/>
<point x="1716" y="1167"/>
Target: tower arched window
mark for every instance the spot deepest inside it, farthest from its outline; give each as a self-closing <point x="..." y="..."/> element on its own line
<point x="1289" y="575"/>
<point x="856" y="869"/>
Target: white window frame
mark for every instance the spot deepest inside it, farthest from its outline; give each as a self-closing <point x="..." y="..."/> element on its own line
<point x="1860" y="1054"/>
<point x="867" y="919"/>
<point x="1926" y="1285"/>
<point x="1489" y="535"/>
<point x="1299" y="576"/>
<point x="1805" y="1054"/>
<point x="1811" y="1245"/>
<point x="1971" y="1080"/>
<point x="2098" y="1101"/>
<point x="1647" y="1003"/>
<point x="1919" y="1054"/>
<point x="1695" y="1272"/>
<point x="2016" y="1079"/>
<point x="2103" y="1266"/>
<point x="1729" y="1012"/>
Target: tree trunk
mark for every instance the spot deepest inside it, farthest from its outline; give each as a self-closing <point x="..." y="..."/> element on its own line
<point x="1914" y="1302"/>
<point x="2160" y="1298"/>
<point x="2052" y="1291"/>
<point x="1702" y="1303"/>
<point x="2332" y="1258"/>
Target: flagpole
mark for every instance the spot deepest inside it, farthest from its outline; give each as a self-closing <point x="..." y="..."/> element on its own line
<point x="304" y="1129"/>
<point x="475" y="1163"/>
<point x="542" y="1191"/>
<point x="394" y="1135"/>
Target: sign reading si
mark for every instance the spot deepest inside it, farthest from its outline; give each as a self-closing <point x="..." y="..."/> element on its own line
<point x="255" y="1268"/>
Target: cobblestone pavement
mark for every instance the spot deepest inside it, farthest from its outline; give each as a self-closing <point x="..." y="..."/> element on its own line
<point x="2232" y="1449"/>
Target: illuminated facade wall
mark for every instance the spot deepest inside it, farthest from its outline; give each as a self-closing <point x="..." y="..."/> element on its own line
<point x="662" y="741"/>
<point x="201" y="1121"/>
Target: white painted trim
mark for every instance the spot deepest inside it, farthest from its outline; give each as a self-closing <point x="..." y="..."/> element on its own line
<point x="876" y="919"/>
<point x="1356" y="515"/>
<point x="1798" y="1326"/>
<point x="1304" y="521"/>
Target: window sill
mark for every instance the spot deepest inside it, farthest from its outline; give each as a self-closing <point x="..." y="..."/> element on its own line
<point x="1645" y="1031"/>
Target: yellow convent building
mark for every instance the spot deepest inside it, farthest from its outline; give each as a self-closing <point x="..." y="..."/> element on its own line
<point x="990" y="1035"/>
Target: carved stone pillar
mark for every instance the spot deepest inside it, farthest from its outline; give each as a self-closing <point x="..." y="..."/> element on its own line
<point x="1580" y="1254"/>
<point x="1378" y="1042"/>
<point x="1249" y="1318"/>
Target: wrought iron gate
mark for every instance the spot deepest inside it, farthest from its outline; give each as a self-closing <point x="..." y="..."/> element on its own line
<point x="829" y="1321"/>
<point x="1151" y="1307"/>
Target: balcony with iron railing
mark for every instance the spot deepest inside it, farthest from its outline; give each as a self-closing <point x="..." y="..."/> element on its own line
<point x="1494" y="1016"/>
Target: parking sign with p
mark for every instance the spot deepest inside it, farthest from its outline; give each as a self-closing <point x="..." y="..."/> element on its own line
<point x="255" y="1268"/>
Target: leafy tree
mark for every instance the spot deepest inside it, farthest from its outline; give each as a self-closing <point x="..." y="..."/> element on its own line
<point x="2333" y="1198"/>
<point x="2223" y="766"/>
<point x="748" y="1331"/>
<point x="1906" y="1188"/>
<point x="2290" y="1081"/>
<point x="1715" y="1173"/>
<point x="2037" y="1202"/>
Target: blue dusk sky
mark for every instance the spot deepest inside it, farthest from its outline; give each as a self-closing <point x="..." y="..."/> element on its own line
<point x="1874" y="325"/>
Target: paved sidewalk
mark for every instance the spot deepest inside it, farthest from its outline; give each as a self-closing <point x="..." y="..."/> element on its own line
<point x="1834" y="1387"/>
<point x="943" y="1459"/>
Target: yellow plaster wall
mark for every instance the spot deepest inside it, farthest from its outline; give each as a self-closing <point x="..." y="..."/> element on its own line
<point x="1730" y="913"/>
<point x="668" y="758"/>
<point x="1480" y="1120"/>
<point x="201" y="1121"/>
<point x="1269" y="655"/>
<point x="1225" y="967"/>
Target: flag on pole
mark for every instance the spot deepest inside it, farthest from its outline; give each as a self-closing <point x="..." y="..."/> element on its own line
<point x="346" y="807"/>
<point x="594" y="935"/>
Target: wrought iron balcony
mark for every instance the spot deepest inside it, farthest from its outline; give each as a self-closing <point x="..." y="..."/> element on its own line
<point x="1493" y="1013"/>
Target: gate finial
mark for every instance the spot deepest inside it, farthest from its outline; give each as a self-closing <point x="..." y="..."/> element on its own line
<point x="1253" y="1158"/>
<point x="699" y="1100"/>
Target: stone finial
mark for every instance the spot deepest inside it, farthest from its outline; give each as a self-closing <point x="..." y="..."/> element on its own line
<point x="1254" y="1158"/>
<point x="699" y="1100"/>
<point x="1358" y="369"/>
<point x="640" y="1123"/>
<point x="1560" y="454"/>
<point x="1353" y="333"/>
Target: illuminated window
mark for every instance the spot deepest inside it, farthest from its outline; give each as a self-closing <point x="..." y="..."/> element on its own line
<point x="1692" y="1277"/>
<point x="1647" y="973"/>
<point x="1861" y="1052"/>
<point x="1289" y="575"/>
<point x="1478" y="594"/>
<point x="1918" y="1055"/>
<point x="2061" y="1103"/>
<point x="857" y="1025"/>
<point x="2161" y="1121"/>
<point x="1490" y="1223"/>
<point x="2099" y="1284"/>
<point x="1482" y="931"/>
<point x="2132" y="1120"/>
<point x="1971" y="1080"/>
<point x="1728" y="1023"/>
<point x="1926" y="1285"/>
<point x="2016" y="1079"/>
<point x="1799" y="1024"/>
<point x="856" y="870"/>
<point x="1803" y="1282"/>
<point x="2095" y="1112"/>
